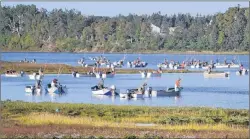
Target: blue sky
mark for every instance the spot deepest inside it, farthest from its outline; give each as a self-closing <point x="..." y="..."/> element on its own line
<point x="124" y="8"/>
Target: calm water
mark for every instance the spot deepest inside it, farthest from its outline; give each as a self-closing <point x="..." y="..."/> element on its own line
<point x="152" y="59"/>
<point x="226" y="93"/>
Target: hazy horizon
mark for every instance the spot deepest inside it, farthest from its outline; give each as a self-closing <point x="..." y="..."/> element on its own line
<point x="140" y="8"/>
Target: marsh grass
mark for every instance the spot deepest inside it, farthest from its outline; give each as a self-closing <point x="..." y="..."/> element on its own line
<point x="57" y="119"/>
<point x="109" y="114"/>
<point x="67" y="69"/>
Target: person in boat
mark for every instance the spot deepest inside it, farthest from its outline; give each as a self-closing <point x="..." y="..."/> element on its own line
<point x="142" y="88"/>
<point x="225" y="61"/>
<point x="34" y="60"/>
<point x="183" y="65"/>
<point x="209" y="69"/>
<point x="165" y="61"/>
<point x="40" y="71"/>
<point x="217" y="60"/>
<point x="101" y="84"/>
<point x="177" y="84"/>
<point x="74" y="73"/>
<point x="159" y="70"/>
<point x="38" y="84"/>
<point x="241" y="69"/>
<point x="54" y="83"/>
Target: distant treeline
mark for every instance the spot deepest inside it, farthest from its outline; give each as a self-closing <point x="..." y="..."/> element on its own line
<point x="27" y="28"/>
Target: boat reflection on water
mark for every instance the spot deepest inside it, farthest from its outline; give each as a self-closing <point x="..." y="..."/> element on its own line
<point x="104" y="97"/>
<point x="33" y="97"/>
<point x="55" y="96"/>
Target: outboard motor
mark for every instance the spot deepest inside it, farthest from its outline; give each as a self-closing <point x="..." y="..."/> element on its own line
<point x="49" y="85"/>
<point x="150" y="89"/>
<point x="21" y="72"/>
<point x="33" y="88"/>
<point x="74" y="74"/>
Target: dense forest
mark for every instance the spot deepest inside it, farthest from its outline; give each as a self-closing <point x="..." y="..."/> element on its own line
<point x="27" y="28"/>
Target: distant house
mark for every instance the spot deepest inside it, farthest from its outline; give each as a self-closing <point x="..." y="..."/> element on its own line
<point x="156" y="30"/>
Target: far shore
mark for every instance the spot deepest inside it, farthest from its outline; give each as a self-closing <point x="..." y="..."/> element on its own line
<point x="145" y="52"/>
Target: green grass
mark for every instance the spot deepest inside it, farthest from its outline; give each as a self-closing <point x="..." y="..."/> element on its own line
<point x="132" y="114"/>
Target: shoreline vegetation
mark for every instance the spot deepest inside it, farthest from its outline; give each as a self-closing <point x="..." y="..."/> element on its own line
<point x="46" y="119"/>
<point x="142" y="52"/>
<point x="67" y="69"/>
<point x="29" y="28"/>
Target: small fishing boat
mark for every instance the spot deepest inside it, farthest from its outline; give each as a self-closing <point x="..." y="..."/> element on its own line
<point x="216" y="75"/>
<point x="105" y="91"/>
<point x="150" y="74"/>
<point x="78" y="75"/>
<point x="162" y="65"/>
<point x="137" y="65"/>
<point x="12" y="73"/>
<point x="133" y="93"/>
<point x="243" y="72"/>
<point x="105" y="75"/>
<point x="33" y="90"/>
<point x="158" y="93"/>
<point x="218" y="65"/>
<point x="56" y="90"/>
<point x="35" y="76"/>
<point x="195" y="66"/>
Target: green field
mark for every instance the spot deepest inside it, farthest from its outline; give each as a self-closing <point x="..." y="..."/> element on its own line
<point x="23" y="119"/>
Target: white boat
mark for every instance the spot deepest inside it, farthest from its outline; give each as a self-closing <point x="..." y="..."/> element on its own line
<point x="162" y="66"/>
<point x="145" y="75"/>
<point x="33" y="90"/>
<point x="105" y="91"/>
<point x="56" y="90"/>
<point x="14" y="74"/>
<point x="218" y="65"/>
<point x="206" y="67"/>
<point x="78" y="75"/>
<point x="132" y="93"/>
<point x="195" y="66"/>
<point x="171" y="66"/>
<point x="110" y="75"/>
<point x="35" y="76"/>
<point x="158" y="93"/>
<point x="216" y="75"/>
<point x="150" y="74"/>
<point x="244" y="72"/>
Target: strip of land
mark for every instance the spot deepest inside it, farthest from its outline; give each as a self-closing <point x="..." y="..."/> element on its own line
<point x="67" y="69"/>
<point x="46" y="120"/>
<point x="148" y="52"/>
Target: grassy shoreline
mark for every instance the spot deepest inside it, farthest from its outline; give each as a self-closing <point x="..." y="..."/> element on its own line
<point x="67" y="69"/>
<point x="34" y="119"/>
<point x="144" y="52"/>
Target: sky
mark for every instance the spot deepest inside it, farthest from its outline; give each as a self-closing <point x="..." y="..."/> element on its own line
<point x="139" y="8"/>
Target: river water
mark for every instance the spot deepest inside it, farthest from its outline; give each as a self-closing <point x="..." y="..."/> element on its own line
<point x="232" y="92"/>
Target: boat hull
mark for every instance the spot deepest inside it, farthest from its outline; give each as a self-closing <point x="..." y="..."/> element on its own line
<point x="13" y="75"/>
<point x="85" y="75"/>
<point x="29" y="89"/>
<point x="105" y="76"/>
<point x="105" y="92"/>
<point x="35" y="77"/>
<point x="244" y="72"/>
<point x="163" y="93"/>
<point x="219" y="66"/>
<point x="216" y="75"/>
<point x="56" y="90"/>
